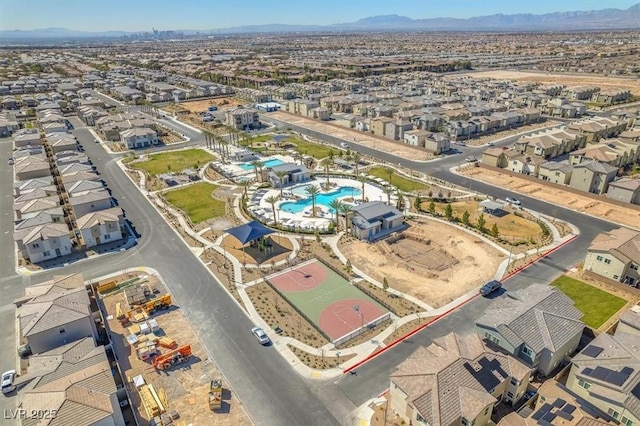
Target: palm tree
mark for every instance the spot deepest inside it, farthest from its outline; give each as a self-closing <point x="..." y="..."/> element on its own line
<point x="312" y="191"/>
<point x="245" y="183"/>
<point x="326" y="163"/>
<point x="280" y="174"/>
<point x="362" y="180"/>
<point x="336" y="205"/>
<point x="389" y="171"/>
<point x="272" y="200"/>
<point x="388" y="190"/>
<point x="257" y="165"/>
<point x="345" y="209"/>
<point x="356" y="157"/>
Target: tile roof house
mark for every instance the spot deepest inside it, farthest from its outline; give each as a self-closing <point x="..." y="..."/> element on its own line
<point x="43" y="242"/>
<point x="101" y="227"/>
<point x="593" y="177"/>
<point x="89" y="201"/>
<point x="615" y="255"/>
<point x="626" y="190"/>
<point x="556" y="172"/>
<point x="76" y="381"/>
<point x="630" y="321"/>
<point x="606" y="373"/>
<point x="539" y="325"/>
<point x="55" y="313"/>
<point x="456" y="380"/>
<point x="139" y="137"/>
<point x="374" y="219"/>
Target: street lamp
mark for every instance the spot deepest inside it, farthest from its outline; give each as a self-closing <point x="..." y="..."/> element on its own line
<point x="357" y="309"/>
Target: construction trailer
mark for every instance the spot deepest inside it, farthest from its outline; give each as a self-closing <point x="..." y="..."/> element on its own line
<point x="215" y="394"/>
<point x="171" y="358"/>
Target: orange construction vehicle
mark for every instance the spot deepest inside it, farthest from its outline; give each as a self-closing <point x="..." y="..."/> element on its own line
<point x="173" y="357"/>
<point x="149" y="307"/>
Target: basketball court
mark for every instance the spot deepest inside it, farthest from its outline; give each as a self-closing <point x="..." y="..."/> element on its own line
<point x="327" y="299"/>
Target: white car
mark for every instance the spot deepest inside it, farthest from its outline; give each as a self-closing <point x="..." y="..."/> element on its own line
<point x="260" y="335"/>
<point x="513" y="201"/>
<point x="344" y="145"/>
<point x="8" y="378"/>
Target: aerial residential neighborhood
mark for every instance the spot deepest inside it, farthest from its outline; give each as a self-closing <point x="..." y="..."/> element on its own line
<point x="295" y="214"/>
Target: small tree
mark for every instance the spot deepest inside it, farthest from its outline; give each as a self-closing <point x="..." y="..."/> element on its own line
<point x="481" y="222"/>
<point x="432" y="207"/>
<point x="385" y="283"/>
<point x="465" y="217"/>
<point x="417" y="202"/>
<point x="495" y="232"/>
<point x="448" y="211"/>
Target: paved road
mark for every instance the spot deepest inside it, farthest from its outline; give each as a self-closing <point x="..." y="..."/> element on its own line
<point x="261" y="378"/>
<point x="374" y="375"/>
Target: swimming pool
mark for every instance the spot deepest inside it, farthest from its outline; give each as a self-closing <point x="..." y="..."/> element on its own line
<point x="321" y="200"/>
<point x="268" y="163"/>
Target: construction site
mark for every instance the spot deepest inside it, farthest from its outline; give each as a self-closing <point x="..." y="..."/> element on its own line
<point x="169" y="377"/>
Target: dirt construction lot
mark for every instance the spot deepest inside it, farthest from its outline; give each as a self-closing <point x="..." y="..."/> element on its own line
<point x="451" y="262"/>
<point x="622" y="215"/>
<point x="632" y="85"/>
<point x="203" y="105"/>
<point x="186" y="385"/>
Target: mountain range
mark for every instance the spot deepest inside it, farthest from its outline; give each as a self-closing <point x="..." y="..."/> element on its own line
<point x="605" y="19"/>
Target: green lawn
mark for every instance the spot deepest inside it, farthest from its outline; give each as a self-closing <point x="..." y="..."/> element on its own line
<point x="596" y="305"/>
<point x="400" y="182"/>
<point x="174" y="161"/>
<point x="196" y="201"/>
<point x="312" y="149"/>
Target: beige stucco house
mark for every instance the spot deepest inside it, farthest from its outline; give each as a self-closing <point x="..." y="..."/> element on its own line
<point x="615" y="255"/>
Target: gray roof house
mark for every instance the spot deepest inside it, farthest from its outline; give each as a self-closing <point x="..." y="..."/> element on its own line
<point x="456" y="380"/>
<point x="539" y="325"/>
<point x="606" y="373"/>
<point x="55" y="313"/>
<point x="76" y="381"/>
<point x="375" y="219"/>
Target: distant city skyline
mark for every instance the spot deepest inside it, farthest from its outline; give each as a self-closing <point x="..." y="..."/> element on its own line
<point x="137" y="15"/>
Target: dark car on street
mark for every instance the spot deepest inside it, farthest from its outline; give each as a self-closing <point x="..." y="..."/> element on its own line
<point x="490" y="287"/>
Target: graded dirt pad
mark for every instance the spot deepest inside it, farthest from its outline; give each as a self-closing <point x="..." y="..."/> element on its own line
<point x="604" y="82"/>
<point x="458" y="262"/>
<point x="599" y="208"/>
<point x="203" y="105"/>
<point x="186" y="385"/>
<point x="353" y="136"/>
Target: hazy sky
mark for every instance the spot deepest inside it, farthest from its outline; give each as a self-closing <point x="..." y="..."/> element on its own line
<point x="138" y="15"/>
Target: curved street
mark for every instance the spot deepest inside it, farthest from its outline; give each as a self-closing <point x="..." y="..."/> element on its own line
<point x="268" y="388"/>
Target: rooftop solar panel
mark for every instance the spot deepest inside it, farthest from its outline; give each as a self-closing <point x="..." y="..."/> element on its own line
<point x="549" y="417"/>
<point x="569" y="408"/>
<point x="559" y="403"/>
<point x="564" y="415"/>
<point x="592" y="351"/>
<point x="541" y="412"/>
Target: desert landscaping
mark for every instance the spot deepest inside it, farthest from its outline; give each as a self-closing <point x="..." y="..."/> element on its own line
<point x="437" y="263"/>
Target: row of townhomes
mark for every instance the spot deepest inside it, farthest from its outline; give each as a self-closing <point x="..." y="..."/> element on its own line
<point x="459" y="379"/>
<point x="69" y="372"/>
<point x="588" y="155"/>
<point x="60" y="202"/>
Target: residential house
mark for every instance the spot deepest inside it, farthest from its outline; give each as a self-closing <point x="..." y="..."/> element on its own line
<point x="539" y="325"/>
<point x="56" y="312"/>
<point x="497" y="157"/>
<point x="596" y="128"/>
<point x="100" y="227"/>
<point x="43" y="242"/>
<point x="71" y="177"/>
<point x="23" y="186"/>
<point x="301" y="106"/>
<point x="629" y="321"/>
<point x="457" y="380"/>
<point x="70" y="157"/>
<point x="416" y="137"/>
<point x="26" y="138"/>
<point x="374" y="219"/>
<point x="396" y="128"/>
<point x="437" y="143"/>
<point x="593" y="177"/>
<point x="83" y="186"/>
<point x="606" y="373"/>
<point x="40" y="218"/>
<point x="75" y="381"/>
<point x="345" y="120"/>
<point x="295" y="173"/>
<point x="28" y="208"/>
<point x="363" y="124"/>
<point x="525" y="164"/>
<point x="139" y="137"/>
<point x="626" y="190"/>
<point x="320" y="113"/>
<point x="90" y="201"/>
<point x="379" y="124"/>
<point x="62" y="142"/>
<point x="615" y="255"/>
<point x="242" y="118"/>
<point x="554" y="404"/>
<point x="53" y="127"/>
<point x="556" y="172"/>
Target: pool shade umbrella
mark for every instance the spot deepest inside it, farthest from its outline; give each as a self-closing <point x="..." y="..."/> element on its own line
<point x="250" y="231"/>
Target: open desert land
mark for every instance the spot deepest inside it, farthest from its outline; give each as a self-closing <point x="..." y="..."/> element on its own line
<point x="604" y="82"/>
<point x="627" y="216"/>
<point x="434" y="262"/>
<point x="202" y="105"/>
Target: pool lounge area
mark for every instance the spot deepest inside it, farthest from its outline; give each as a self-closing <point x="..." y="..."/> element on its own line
<point x="245" y="170"/>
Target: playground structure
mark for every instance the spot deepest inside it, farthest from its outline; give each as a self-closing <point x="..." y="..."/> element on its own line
<point x="215" y="394"/>
<point x="174" y="357"/>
